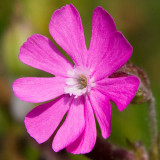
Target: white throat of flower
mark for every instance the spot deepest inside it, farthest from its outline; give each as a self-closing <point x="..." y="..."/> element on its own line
<point x="79" y="81"/>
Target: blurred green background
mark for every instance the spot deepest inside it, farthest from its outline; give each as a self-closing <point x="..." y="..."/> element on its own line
<point x="138" y="20"/>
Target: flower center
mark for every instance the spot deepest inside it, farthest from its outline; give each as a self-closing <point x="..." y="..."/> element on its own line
<point x="79" y="82"/>
<point x="82" y="82"/>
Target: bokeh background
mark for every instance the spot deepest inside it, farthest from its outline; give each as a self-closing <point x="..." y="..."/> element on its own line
<point x="138" y="20"/>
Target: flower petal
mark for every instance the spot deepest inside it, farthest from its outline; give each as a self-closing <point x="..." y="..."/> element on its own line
<point x="118" y="52"/>
<point x="38" y="90"/>
<point x="43" y="120"/>
<point x="39" y="52"/>
<point x="120" y="90"/>
<point x="103" y="111"/>
<point x="72" y="127"/>
<point x="102" y="26"/>
<point x="67" y="30"/>
<point x="86" y="141"/>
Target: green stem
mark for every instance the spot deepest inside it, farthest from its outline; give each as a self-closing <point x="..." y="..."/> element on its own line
<point x="152" y="120"/>
<point x="154" y="150"/>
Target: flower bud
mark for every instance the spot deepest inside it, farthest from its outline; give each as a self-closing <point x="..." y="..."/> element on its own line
<point x="144" y="93"/>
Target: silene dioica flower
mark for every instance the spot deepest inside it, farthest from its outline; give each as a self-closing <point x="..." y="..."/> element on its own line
<point x="81" y="90"/>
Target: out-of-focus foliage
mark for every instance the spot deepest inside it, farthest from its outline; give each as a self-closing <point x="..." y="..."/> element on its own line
<point x="140" y="23"/>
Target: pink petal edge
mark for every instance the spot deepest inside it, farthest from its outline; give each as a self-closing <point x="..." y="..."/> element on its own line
<point x="86" y="141"/>
<point x="102" y="26"/>
<point x="72" y="127"/>
<point x="120" y="90"/>
<point x="66" y="29"/>
<point x="36" y="90"/>
<point x="39" y="52"/>
<point x="118" y="53"/>
<point x="103" y="111"/>
<point x="43" y="120"/>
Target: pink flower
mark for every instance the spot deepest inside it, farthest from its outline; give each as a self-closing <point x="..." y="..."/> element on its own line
<point x="83" y="89"/>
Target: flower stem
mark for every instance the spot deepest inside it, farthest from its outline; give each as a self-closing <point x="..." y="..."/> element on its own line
<point x="154" y="150"/>
<point x="152" y="120"/>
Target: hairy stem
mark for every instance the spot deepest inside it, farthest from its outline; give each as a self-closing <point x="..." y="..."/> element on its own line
<point x="154" y="150"/>
<point x="152" y="120"/>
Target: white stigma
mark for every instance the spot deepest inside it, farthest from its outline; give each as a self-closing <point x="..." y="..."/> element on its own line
<point x="79" y="82"/>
